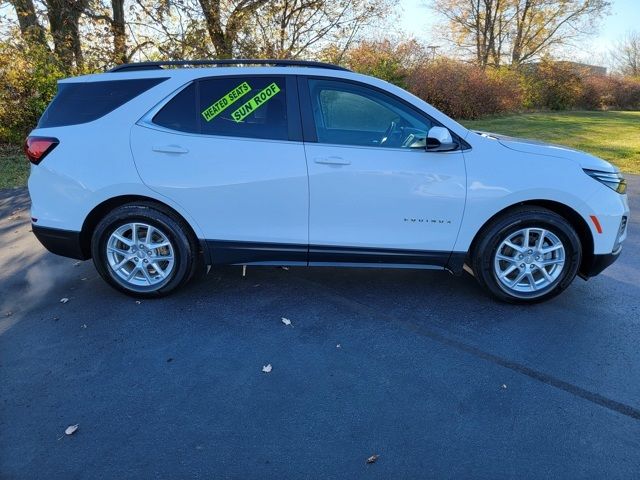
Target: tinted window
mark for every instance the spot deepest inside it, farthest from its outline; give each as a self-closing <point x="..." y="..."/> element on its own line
<point x="349" y="114"/>
<point x="231" y="106"/>
<point x="87" y="101"/>
<point x="181" y="112"/>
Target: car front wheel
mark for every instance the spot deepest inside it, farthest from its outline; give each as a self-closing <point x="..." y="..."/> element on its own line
<point x="528" y="255"/>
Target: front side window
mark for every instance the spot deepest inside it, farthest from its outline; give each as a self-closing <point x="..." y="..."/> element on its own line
<point x="231" y="106"/>
<point x="350" y="114"/>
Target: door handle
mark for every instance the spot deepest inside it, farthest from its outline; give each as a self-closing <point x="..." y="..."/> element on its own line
<point x="169" y="149"/>
<point x="333" y="160"/>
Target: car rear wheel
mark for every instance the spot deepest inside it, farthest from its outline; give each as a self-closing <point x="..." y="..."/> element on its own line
<point x="143" y="250"/>
<point x="528" y="255"/>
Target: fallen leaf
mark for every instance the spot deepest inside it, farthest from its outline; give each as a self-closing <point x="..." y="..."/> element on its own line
<point x="504" y="386"/>
<point x="285" y="268"/>
<point x="338" y="346"/>
<point x="84" y="325"/>
<point x="286" y="321"/>
<point x="138" y="302"/>
<point x="373" y="458"/>
<point x="83" y="278"/>
<point x="71" y="429"/>
<point x="64" y="300"/>
<point x="77" y="264"/>
<point x="267" y="368"/>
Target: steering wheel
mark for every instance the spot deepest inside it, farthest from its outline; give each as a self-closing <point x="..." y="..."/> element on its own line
<point x="388" y="132"/>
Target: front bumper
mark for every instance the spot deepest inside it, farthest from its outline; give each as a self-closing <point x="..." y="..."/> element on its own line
<point x="61" y="242"/>
<point x="598" y="263"/>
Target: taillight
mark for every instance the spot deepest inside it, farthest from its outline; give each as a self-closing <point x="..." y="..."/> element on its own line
<point x="37" y="148"/>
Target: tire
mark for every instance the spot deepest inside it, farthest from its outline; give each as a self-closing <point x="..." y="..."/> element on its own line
<point x="170" y="257"/>
<point x="500" y="259"/>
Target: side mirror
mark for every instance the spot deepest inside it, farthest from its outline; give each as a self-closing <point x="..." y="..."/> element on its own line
<point x="439" y="140"/>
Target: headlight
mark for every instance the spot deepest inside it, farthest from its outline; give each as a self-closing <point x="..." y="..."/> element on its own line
<point x="613" y="180"/>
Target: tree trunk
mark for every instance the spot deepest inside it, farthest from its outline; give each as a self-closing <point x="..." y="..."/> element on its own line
<point x="30" y="28"/>
<point x="118" y="28"/>
<point x="64" y="19"/>
<point x="224" y="37"/>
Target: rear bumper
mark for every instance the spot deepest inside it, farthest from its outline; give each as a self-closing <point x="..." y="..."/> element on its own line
<point x="61" y="242"/>
<point x="598" y="263"/>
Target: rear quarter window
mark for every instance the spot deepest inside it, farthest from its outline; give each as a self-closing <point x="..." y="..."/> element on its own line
<point x="84" y="102"/>
<point x="243" y="106"/>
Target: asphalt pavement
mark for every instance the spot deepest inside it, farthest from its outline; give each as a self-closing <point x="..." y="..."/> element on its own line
<point x="418" y="367"/>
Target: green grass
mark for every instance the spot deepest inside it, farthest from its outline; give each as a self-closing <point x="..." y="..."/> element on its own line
<point x="613" y="136"/>
<point x="14" y="167"/>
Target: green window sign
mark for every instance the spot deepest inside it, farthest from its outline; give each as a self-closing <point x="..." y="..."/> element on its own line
<point x="223" y="103"/>
<point x="262" y="97"/>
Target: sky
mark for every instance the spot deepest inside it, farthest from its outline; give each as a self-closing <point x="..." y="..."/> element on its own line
<point x="417" y="19"/>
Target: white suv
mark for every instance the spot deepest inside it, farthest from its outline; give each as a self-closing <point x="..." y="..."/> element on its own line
<point x="155" y="172"/>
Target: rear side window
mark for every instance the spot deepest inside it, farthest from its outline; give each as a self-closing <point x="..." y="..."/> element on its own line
<point x="252" y="107"/>
<point x="181" y="113"/>
<point x="84" y="102"/>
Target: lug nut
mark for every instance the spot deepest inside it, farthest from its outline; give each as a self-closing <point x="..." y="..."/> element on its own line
<point x="522" y="265"/>
<point x="135" y="259"/>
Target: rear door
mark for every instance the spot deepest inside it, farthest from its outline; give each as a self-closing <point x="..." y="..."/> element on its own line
<point x="229" y="151"/>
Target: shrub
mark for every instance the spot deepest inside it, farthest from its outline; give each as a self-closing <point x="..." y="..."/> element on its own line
<point x="610" y="91"/>
<point x="386" y="60"/>
<point x="625" y="93"/>
<point x="552" y="85"/>
<point x="464" y="91"/>
<point x="596" y="92"/>
<point x="28" y="76"/>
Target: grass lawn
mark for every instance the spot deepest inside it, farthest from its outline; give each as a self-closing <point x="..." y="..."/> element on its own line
<point x="14" y="167"/>
<point x="613" y="136"/>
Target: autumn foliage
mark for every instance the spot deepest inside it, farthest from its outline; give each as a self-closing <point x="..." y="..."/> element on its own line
<point x="28" y="76"/>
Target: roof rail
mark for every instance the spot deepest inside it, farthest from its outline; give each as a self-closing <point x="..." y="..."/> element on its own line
<point x="240" y="61"/>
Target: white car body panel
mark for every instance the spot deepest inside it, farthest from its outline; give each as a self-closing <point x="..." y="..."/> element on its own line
<point x="386" y="198"/>
<point x="238" y="188"/>
<point x="241" y="189"/>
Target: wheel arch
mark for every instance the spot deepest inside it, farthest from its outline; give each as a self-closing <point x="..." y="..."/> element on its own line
<point x="99" y="211"/>
<point x="576" y="220"/>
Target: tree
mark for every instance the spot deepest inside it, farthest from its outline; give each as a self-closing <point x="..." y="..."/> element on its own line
<point x="225" y="20"/>
<point x="114" y="17"/>
<point x="627" y="54"/>
<point x="518" y="30"/>
<point x="296" y="28"/>
<point x="64" y="23"/>
<point x="476" y="26"/>
<point x="541" y="24"/>
<point x="30" y="26"/>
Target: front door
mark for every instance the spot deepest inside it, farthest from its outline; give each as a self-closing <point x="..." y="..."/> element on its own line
<point x="376" y="195"/>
